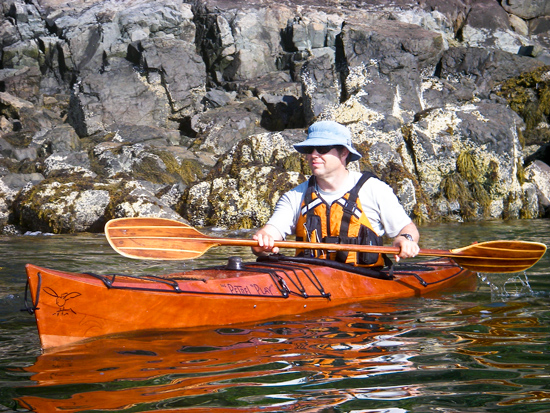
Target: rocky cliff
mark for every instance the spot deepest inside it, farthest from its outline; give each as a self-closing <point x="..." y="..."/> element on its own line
<point x="189" y="109"/>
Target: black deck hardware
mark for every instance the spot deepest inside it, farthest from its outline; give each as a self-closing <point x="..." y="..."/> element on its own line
<point x="32" y="308"/>
<point x="366" y="271"/>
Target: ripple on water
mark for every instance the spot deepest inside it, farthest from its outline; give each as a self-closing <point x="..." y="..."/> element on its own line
<point x="485" y="350"/>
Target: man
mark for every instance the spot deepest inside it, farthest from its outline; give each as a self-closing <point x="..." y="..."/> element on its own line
<point x="338" y="205"/>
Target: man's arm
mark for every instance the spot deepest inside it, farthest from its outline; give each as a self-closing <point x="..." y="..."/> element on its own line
<point x="281" y="223"/>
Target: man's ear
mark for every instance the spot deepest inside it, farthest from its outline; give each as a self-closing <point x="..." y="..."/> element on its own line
<point x="344" y="155"/>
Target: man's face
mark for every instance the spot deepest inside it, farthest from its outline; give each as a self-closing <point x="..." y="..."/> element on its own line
<point x="326" y="164"/>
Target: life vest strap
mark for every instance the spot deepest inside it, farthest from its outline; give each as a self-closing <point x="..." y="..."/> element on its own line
<point x="348" y="211"/>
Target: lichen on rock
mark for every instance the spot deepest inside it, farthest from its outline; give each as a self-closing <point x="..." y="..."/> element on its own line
<point x="241" y="190"/>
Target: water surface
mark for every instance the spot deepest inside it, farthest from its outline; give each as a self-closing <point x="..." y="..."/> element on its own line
<point x="465" y="351"/>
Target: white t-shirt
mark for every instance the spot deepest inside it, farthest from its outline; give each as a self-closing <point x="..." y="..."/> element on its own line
<point x="379" y="203"/>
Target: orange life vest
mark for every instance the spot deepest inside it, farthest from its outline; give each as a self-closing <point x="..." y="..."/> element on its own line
<point x="343" y="222"/>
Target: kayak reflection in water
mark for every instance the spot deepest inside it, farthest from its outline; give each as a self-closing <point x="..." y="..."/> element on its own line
<point x="337" y="205"/>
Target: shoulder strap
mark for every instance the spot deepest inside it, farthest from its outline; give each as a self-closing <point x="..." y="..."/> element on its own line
<point x="352" y="202"/>
<point x="309" y="191"/>
<point x="305" y="207"/>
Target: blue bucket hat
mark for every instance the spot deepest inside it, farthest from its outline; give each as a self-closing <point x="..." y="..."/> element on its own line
<point x="328" y="133"/>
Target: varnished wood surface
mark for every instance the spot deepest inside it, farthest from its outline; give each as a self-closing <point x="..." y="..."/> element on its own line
<point x="72" y="307"/>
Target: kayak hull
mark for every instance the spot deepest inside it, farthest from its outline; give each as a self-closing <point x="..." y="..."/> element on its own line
<point x="71" y="307"/>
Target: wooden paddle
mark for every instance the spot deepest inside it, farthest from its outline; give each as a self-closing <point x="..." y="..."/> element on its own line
<point x="166" y="239"/>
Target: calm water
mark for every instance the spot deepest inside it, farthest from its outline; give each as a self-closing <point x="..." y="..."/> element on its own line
<point x="472" y="351"/>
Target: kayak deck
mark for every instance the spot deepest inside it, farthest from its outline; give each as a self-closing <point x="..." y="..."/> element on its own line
<point x="70" y="307"/>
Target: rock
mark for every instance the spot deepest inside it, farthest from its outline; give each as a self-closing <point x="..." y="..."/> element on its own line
<point x="539" y="29"/>
<point x="182" y="71"/>
<point x="283" y="112"/>
<point x="52" y="206"/>
<point x="458" y="148"/>
<point x="116" y="159"/>
<point x="12" y="105"/>
<point x="216" y="98"/>
<point x="10" y="185"/>
<point x="103" y="101"/>
<point x="21" y="54"/>
<point x="539" y="173"/>
<point x="177" y="108"/>
<point x="140" y="201"/>
<point x="4" y="209"/>
<point x="145" y="19"/>
<point x="68" y="163"/>
<point x="526" y="95"/>
<point x="446" y="17"/>
<point x="281" y="96"/>
<point x="8" y="33"/>
<point x="527" y="9"/>
<point x="6" y="148"/>
<point x="385" y="67"/>
<point x="321" y="30"/>
<point x="28" y="19"/>
<point x="245" y="184"/>
<point x="164" y="167"/>
<point x="489" y="27"/>
<point x="62" y="138"/>
<point x="519" y="25"/>
<point x="467" y="74"/>
<point x="531" y="207"/>
<point x="18" y="181"/>
<point x="542" y="154"/>
<point x="381" y="153"/>
<point x="219" y="129"/>
<point x="24" y="154"/>
<point x="70" y="205"/>
<point x="145" y="134"/>
<point x="10" y="229"/>
<point x="23" y="83"/>
<point x="241" y="46"/>
<point x="322" y="86"/>
<point x="407" y="196"/>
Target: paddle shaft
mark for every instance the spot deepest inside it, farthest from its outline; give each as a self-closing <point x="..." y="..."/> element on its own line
<point x="378" y="249"/>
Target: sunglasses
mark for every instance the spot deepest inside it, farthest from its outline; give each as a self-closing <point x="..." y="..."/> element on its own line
<point x="322" y="150"/>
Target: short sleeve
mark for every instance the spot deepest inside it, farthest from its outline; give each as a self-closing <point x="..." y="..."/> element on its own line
<point x="382" y="208"/>
<point x="287" y="210"/>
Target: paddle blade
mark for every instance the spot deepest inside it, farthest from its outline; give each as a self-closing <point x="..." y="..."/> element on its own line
<point x="499" y="256"/>
<point x="156" y="239"/>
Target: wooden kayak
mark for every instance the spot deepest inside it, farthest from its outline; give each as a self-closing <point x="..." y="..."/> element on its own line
<point x="71" y="307"/>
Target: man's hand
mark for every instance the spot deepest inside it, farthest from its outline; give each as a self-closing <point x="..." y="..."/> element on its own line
<point x="408" y="247"/>
<point x="266" y="238"/>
